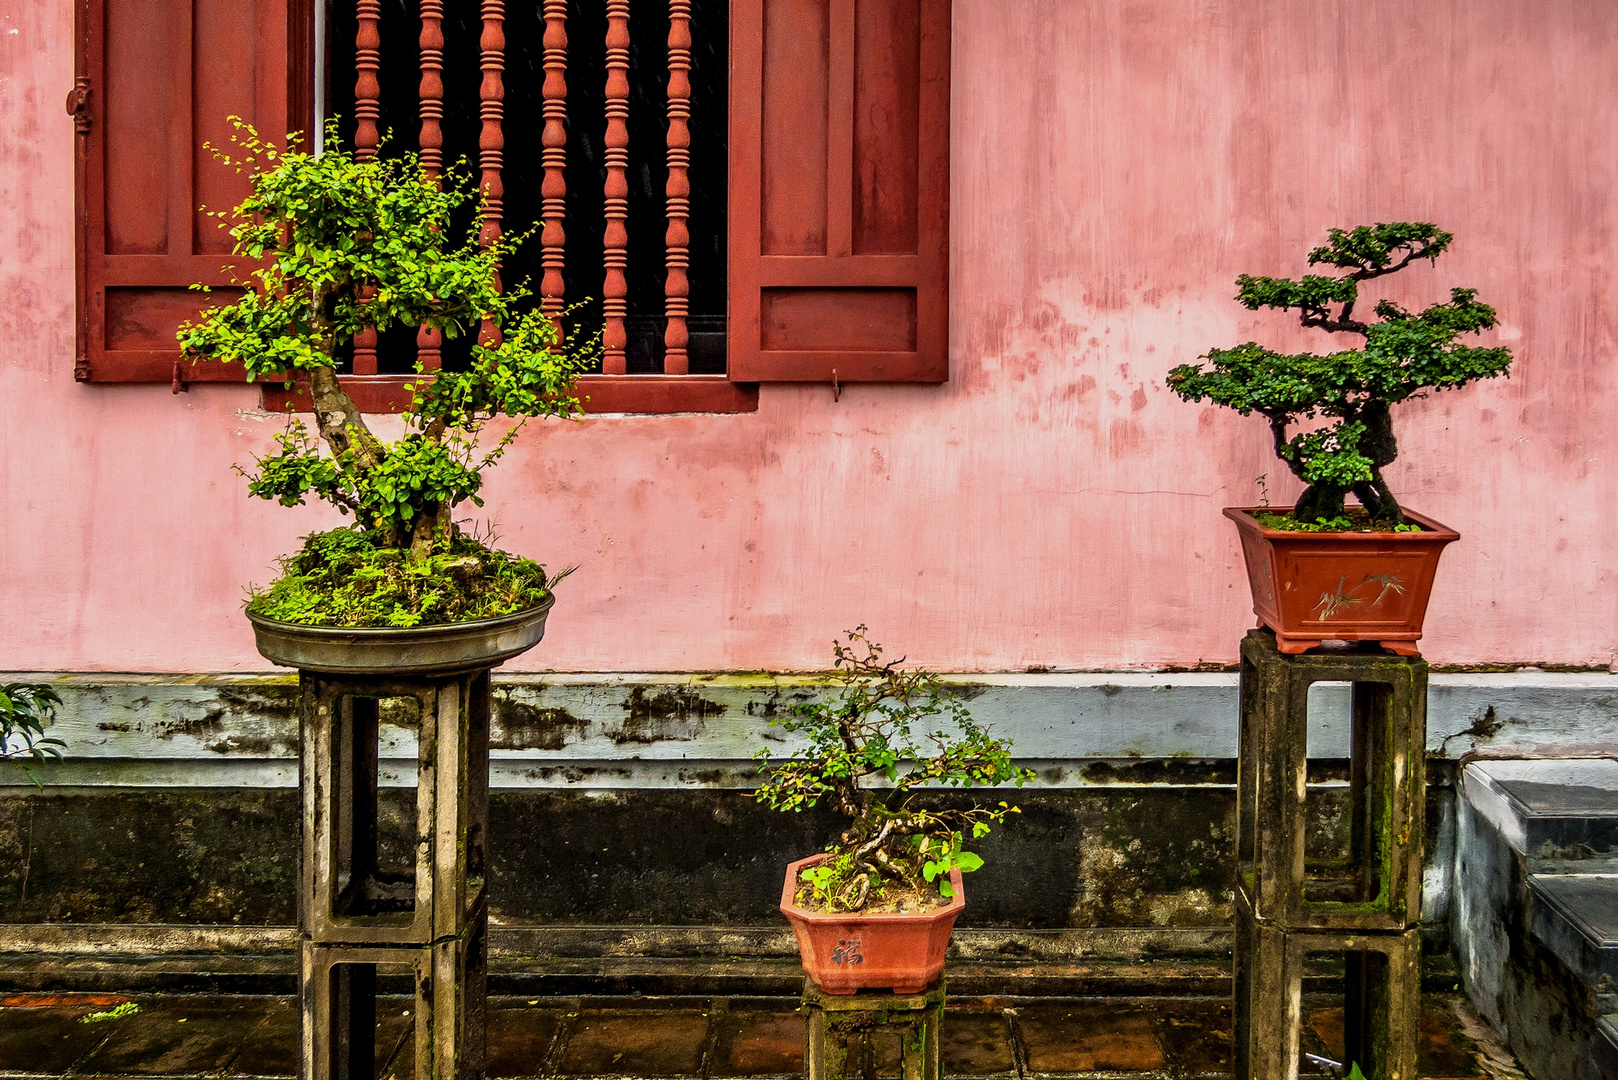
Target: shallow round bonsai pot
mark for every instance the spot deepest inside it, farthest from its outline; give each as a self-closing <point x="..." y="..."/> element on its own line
<point x="847" y="952"/>
<point x="415" y="650"/>
<point x="1311" y="587"/>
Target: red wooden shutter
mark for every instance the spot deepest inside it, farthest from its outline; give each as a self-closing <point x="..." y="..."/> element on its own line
<point x="156" y="78"/>
<point x="839" y="190"/>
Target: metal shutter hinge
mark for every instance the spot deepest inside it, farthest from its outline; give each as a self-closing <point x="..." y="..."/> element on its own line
<point x="78" y="105"/>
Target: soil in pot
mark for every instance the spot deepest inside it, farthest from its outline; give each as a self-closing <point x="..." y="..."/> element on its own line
<point x="891" y="901"/>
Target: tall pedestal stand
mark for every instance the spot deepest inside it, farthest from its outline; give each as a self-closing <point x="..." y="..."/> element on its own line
<point x="361" y="919"/>
<point x="1366" y="906"/>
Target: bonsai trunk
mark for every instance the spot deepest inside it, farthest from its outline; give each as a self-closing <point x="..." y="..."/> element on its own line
<point x="339" y="420"/>
<point x="1322" y="501"/>
<point x="352" y="443"/>
<point x="1379" y="445"/>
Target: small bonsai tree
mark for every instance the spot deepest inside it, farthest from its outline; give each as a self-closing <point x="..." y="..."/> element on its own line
<point x="342" y="246"/>
<point x="1405" y="355"/>
<point x="875" y="729"/>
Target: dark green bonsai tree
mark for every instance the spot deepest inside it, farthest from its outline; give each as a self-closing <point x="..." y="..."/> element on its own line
<point x="904" y="731"/>
<point x="1405" y="355"/>
<point x="340" y="246"/>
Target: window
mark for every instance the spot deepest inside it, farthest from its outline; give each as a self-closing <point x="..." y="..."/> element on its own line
<point x="812" y="241"/>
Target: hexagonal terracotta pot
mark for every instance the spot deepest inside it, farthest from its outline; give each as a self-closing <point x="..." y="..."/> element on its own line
<point x="845" y="953"/>
<point x="1341" y="586"/>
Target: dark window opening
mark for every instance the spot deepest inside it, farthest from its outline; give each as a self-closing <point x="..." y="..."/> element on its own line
<point x="585" y="172"/>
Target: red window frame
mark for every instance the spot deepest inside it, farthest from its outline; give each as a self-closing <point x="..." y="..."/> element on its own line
<point x="838" y="257"/>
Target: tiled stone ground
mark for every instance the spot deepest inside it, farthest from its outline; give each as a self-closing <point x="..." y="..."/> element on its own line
<point x="226" y="1038"/>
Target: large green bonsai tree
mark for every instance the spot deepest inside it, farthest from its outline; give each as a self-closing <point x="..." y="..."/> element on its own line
<point x="886" y="735"/>
<point x="1405" y="354"/>
<point x="340" y="246"/>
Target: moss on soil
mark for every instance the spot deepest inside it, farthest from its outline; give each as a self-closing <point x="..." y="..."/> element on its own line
<point x="1354" y="519"/>
<point x="344" y="578"/>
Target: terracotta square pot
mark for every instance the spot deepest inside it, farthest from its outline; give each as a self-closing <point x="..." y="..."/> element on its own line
<point x="845" y="953"/>
<point x="1343" y="586"/>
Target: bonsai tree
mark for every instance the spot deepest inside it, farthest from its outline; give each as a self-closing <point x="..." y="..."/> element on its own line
<point x="1405" y="354"/>
<point x="889" y="726"/>
<point x="340" y="246"/>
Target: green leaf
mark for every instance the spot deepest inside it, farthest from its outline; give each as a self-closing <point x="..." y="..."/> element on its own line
<point x="968" y="861"/>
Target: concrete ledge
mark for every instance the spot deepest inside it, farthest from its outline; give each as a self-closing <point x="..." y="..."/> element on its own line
<point x="618" y="959"/>
<point x="605" y="942"/>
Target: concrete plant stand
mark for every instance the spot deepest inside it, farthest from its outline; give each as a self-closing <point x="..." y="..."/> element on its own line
<point x="425" y="920"/>
<point x="1367" y="906"/>
<point x="834" y="1021"/>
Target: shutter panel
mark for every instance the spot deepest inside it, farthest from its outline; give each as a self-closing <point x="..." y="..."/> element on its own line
<point x="839" y="190"/>
<point x="157" y="78"/>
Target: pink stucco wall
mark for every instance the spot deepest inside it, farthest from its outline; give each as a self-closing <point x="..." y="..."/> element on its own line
<point x="1116" y="165"/>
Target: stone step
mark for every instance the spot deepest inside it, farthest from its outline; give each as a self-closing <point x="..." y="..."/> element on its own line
<point x="1551" y="810"/>
<point x="1576" y="916"/>
<point x="1608" y="1026"/>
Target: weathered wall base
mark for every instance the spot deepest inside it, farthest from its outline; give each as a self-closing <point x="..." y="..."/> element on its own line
<point x="627" y="852"/>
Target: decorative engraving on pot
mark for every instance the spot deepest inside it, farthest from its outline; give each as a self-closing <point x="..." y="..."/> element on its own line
<point x="1330" y="603"/>
<point x="847" y="953"/>
<point x="1389" y="582"/>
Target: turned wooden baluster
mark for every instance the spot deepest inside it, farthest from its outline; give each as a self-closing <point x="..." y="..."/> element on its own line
<point x="491" y="140"/>
<point x="367" y="109"/>
<point x="677" y="241"/>
<point x="428" y="354"/>
<point x="615" y="242"/>
<point x="553" y="190"/>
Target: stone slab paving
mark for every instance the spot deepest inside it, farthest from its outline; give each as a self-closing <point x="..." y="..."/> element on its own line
<point x="237" y="1038"/>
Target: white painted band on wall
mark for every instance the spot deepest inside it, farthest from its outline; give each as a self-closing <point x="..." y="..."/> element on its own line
<point x="661" y="730"/>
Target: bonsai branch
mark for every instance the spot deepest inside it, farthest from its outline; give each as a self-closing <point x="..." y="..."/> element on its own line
<point x="1343" y="324"/>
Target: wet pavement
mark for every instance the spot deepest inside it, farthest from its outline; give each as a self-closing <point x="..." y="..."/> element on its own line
<point x="225" y="1037"/>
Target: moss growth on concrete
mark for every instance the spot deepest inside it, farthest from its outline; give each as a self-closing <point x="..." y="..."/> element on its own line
<point x="347" y="577"/>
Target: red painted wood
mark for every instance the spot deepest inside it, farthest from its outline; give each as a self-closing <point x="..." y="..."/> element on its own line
<point x="647" y="394"/>
<point x="553" y="207"/>
<point x="840" y="92"/>
<point x="884" y="141"/>
<point x="839" y="191"/>
<point x="783" y="153"/>
<point x="492" y="138"/>
<point x="367" y="110"/>
<point x="677" y="192"/>
<point x="431" y="98"/>
<point x="615" y="240"/>
<point x="154" y="79"/>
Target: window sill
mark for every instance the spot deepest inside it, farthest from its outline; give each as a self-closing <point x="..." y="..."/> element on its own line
<point x="643" y="394"/>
